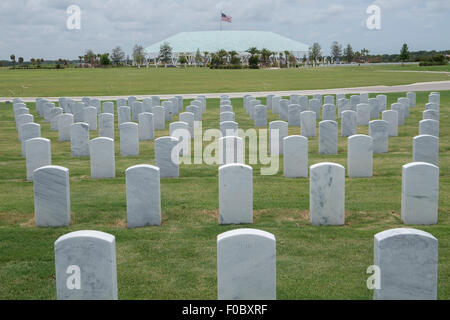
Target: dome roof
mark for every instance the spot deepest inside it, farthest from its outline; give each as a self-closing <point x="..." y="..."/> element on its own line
<point x="239" y="41"/>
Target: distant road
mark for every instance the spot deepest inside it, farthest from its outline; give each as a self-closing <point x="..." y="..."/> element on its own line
<point x="420" y="86"/>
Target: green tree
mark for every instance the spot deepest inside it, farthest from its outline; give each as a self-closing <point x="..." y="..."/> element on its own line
<point x="182" y="59"/>
<point x="215" y="59"/>
<point x="234" y="59"/>
<point x="13" y="59"/>
<point x="253" y="51"/>
<point x="222" y="54"/>
<point x="287" y="57"/>
<point x="20" y="61"/>
<point x="304" y="59"/>
<point x="33" y="61"/>
<point x="315" y="53"/>
<point x="265" y="56"/>
<point x="198" y="57"/>
<point x="104" y="59"/>
<point x="90" y="57"/>
<point x="404" y="53"/>
<point x="165" y="53"/>
<point x="336" y="51"/>
<point x="364" y="54"/>
<point x="138" y="54"/>
<point x="117" y="55"/>
<point x="348" y="53"/>
<point x="205" y="57"/>
<point x="253" y="61"/>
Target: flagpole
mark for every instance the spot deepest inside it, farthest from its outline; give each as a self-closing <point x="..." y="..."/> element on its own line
<point x="220" y="22"/>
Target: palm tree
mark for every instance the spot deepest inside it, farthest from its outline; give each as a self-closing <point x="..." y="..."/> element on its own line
<point x="222" y="53"/>
<point x="253" y="51"/>
<point x="205" y="60"/>
<point x="287" y="54"/>
<point x="13" y="59"/>
<point x="364" y="53"/>
<point x="233" y="59"/>
<point x="265" y="56"/>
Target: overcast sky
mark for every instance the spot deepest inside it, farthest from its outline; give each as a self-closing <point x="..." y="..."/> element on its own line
<point x="37" y="28"/>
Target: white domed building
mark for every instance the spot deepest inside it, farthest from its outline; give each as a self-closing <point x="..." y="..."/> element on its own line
<point x="188" y="43"/>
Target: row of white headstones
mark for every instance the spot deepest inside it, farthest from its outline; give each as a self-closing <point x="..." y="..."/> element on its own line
<point x="405" y="265"/>
<point x="419" y="201"/>
<point x="237" y="189"/>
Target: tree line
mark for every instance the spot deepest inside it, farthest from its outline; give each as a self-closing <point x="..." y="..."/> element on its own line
<point x="255" y="58"/>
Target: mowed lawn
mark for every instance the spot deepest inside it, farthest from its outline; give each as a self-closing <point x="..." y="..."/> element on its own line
<point x="177" y="260"/>
<point x="130" y="81"/>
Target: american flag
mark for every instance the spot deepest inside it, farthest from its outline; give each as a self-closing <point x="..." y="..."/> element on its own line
<point x="226" y="18"/>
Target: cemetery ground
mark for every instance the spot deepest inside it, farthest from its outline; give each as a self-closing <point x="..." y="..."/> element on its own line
<point x="177" y="260"/>
<point x="133" y="81"/>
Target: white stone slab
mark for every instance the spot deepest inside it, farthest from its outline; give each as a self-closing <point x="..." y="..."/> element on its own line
<point x="235" y="194"/>
<point x="360" y="156"/>
<point x="106" y="125"/>
<point x="378" y="130"/>
<point x="420" y="193"/>
<point x="246" y="265"/>
<point x="85" y="263"/>
<point x="38" y="154"/>
<point x="65" y="122"/>
<point x="408" y="262"/>
<point x="167" y="157"/>
<point x="349" y="124"/>
<point x="328" y="137"/>
<point x="277" y="128"/>
<point x="123" y="114"/>
<point x="136" y="108"/>
<point x="327" y="194"/>
<point x="329" y="112"/>
<point x="426" y="149"/>
<point x="79" y="139"/>
<point x="231" y="149"/>
<point x="430" y="127"/>
<point x="143" y="196"/>
<point x="102" y="158"/>
<point x="229" y="128"/>
<point x="108" y="107"/>
<point x="308" y="123"/>
<point x="391" y="117"/>
<point x="362" y="114"/>
<point x="129" y="139"/>
<point x="28" y="131"/>
<point x="295" y="156"/>
<point x="51" y="196"/>
<point x="159" y="121"/>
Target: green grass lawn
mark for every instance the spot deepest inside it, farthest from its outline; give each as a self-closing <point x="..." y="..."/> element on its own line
<point x="177" y="260"/>
<point x="129" y="81"/>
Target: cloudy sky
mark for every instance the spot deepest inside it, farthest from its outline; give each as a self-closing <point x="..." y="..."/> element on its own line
<point x="37" y="28"/>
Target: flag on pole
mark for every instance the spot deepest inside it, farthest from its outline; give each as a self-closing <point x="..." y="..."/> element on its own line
<point x="226" y="18"/>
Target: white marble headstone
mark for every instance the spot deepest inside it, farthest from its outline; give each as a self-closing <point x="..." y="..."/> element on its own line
<point x="327" y="194"/>
<point x="51" y="196"/>
<point x="408" y="262"/>
<point x="246" y="265"/>
<point x="85" y="263"/>
<point x="143" y="196"/>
